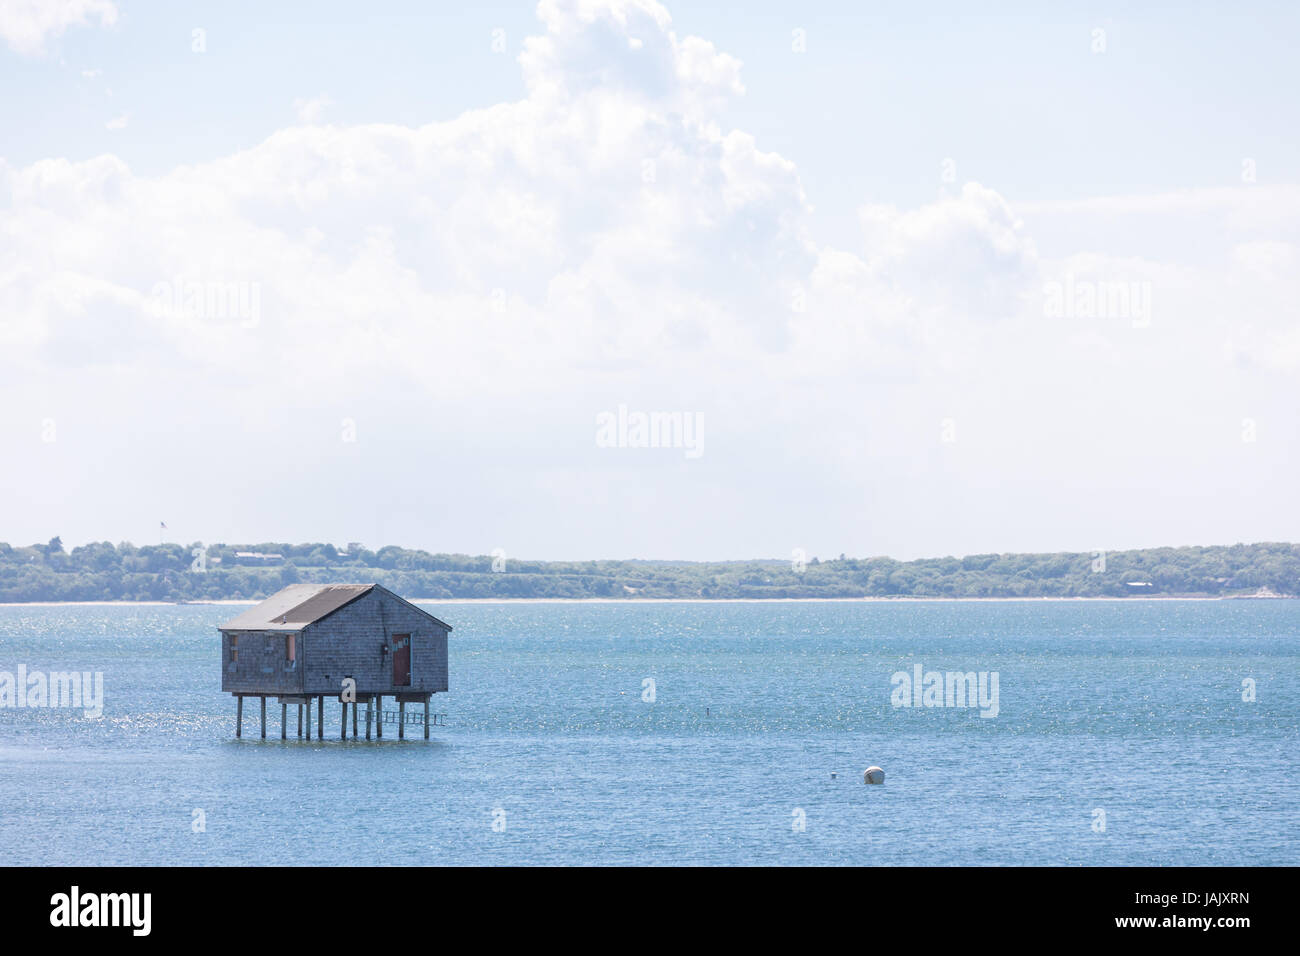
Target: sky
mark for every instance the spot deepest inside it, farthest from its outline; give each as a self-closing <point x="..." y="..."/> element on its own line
<point x="904" y="281"/>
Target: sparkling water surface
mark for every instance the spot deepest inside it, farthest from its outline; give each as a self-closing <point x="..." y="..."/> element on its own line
<point x="1133" y="708"/>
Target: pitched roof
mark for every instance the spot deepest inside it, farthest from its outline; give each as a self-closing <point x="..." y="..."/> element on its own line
<point x="298" y="605"/>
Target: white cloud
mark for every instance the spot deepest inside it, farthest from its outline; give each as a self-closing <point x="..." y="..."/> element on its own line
<point x="26" y="25"/>
<point x="625" y="48"/>
<point x="118" y="122"/>
<point x="966" y="254"/>
<point x="598" y="230"/>
<point x="312" y="111"/>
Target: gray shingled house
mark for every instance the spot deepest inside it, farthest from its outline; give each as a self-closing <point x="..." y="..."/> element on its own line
<point x="354" y="643"/>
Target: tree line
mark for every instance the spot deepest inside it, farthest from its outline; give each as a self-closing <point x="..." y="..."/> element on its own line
<point x="102" y="571"/>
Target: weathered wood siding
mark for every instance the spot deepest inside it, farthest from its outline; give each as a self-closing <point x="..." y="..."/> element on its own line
<point x="260" y="668"/>
<point x="349" y="642"/>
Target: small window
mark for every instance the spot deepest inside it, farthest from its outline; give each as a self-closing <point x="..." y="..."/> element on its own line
<point x="234" y="648"/>
<point x="290" y="648"/>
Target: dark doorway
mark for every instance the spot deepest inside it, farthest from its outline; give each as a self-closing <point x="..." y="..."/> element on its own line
<point x="401" y="660"/>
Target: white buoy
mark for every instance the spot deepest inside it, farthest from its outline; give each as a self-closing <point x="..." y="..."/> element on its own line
<point x="832" y="774"/>
<point x="873" y="775"/>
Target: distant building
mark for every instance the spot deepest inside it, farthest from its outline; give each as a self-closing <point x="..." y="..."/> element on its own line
<point x="258" y="557"/>
<point x="352" y="642"/>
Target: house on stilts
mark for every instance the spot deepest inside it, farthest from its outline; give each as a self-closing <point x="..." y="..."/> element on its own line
<point x="354" y="643"/>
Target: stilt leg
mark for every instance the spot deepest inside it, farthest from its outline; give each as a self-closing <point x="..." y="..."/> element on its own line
<point x="343" y="728"/>
<point x="307" y="707"/>
<point x="401" y="720"/>
<point x="379" y="716"/>
<point x="239" y="716"/>
<point x="284" y="721"/>
<point x="320" y="717"/>
<point x="354" y="720"/>
<point x="426" y="718"/>
<point x="370" y="705"/>
<point x="300" y="720"/>
<point x="263" y="718"/>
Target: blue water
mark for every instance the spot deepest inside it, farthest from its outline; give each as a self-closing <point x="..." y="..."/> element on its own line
<point x="1132" y="708"/>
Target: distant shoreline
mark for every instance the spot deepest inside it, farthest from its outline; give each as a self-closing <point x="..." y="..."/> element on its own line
<point x="50" y="575"/>
<point x="858" y="600"/>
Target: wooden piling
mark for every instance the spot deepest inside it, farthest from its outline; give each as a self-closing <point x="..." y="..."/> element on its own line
<point x="354" y="720"/>
<point x="379" y="716"/>
<point x="307" y="707"/>
<point x="320" y="717"/>
<point x="401" y="720"/>
<point x="284" y="721"/>
<point x="300" y="721"/>
<point x="426" y="718"/>
<point x="343" y="728"/>
<point x="239" y="716"/>
<point x="263" y="718"/>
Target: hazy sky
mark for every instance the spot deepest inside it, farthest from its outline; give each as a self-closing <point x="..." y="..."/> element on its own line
<point x="915" y="282"/>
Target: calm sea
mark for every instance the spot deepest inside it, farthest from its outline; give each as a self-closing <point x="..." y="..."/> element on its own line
<point x="1121" y="737"/>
